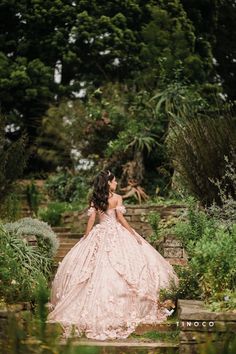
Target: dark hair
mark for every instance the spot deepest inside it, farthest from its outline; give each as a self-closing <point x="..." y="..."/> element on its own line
<point x="100" y="193"/>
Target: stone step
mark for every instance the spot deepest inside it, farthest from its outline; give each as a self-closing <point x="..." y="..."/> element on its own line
<point x="65" y="246"/>
<point x="67" y="241"/>
<point x="69" y="235"/>
<point x="177" y="261"/>
<point x="167" y="339"/>
<point x="25" y="214"/>
<point x="25" y="209"/>
<point x="59" y="229"/>
<point x="159" y="346"/>
<point x="64" y="249"/>
<point x="156" y="327"/>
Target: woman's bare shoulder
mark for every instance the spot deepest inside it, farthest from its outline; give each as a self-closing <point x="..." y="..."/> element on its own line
<point x="117" y="196"/>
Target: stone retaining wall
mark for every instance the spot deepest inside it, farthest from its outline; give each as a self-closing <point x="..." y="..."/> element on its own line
<point x="12" y="312"/>
<point x="137" y="216"/>
<point x="198" y="325"/>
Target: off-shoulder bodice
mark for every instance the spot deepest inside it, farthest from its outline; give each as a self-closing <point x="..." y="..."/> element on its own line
<point x="109" y="214"/>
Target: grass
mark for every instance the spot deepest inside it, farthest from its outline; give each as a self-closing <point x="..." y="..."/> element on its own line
<point x="172" y="336"/>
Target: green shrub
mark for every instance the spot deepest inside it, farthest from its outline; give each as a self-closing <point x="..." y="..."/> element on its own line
<point x="215" y="261"/>
<point x="221" y="301"/>
<point x="33" y="197"/>
<point x="222" y="345"/>
<point x="198" y="142"/>
<point x="10" y="207"/>
<point x="211" y="248"/>
<point x="21" y="267"/>
<point x="47" y="241"/>
<point x="226" y="212"/>
<point x="196" y="223"/>
<point x="53" y="212"/>
<point x="66" y="187"/>
<point x="188" y="287"/>
<point x="154" y="219"/>
<point x="13" y="160"/>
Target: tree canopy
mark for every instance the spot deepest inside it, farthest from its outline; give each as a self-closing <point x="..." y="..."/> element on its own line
<point x="50" y="50"/>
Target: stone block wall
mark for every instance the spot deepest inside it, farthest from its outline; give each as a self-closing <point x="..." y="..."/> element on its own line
<point x="198" y="325"/>
<point x="137" y="217"/>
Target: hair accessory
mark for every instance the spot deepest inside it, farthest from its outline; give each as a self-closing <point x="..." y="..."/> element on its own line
<point x="108" y="172"/>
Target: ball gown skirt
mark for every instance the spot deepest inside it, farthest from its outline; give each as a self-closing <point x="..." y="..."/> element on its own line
<point x="108" y="283"/>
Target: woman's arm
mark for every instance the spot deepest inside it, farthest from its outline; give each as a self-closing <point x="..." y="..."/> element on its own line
<point x="124" y="222"/>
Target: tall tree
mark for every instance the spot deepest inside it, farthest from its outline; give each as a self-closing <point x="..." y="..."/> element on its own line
<point x="215" y="27"/>
<point x="34" y="36"/>
<point x="91" y="42"/>
<point x="170" y="45"/>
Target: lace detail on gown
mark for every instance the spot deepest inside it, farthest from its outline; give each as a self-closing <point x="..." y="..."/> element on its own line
<point x="108" y="283"/>
<point x="90" y="211"/>
<point x="121" y="208"/>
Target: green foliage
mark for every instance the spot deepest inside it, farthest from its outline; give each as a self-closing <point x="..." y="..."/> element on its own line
<point x="13" y="160"/>
<point x="224" y="46"/>
<point x="67" y="192"/>
<point x="226" y="212"/>
<point x="42" y="294"/>
<point x="10" y="207"/>
<point x="198" y="224"/>
<point x="21" y="267"/>
<point x="115" y="126"/>
<point x="154" y="219"/>
<point x="47" y="241"/>
<point x="28" y="331"/>
<point x="67" y="187"/>
<point x="53" y="212"/>
<point x="89" y="44"/>
<point x="33" y="197"/>
<point x="171" y="336"/>
<point x="221" y="301"/>
<point x="214" y="23"/>
<point x="53" y="147"/>
<point x="135" y="138"/>
<point x="188" y="287"/>
<point x="215" y="260"/>
<point x="227" y="345"/>
<point x="198" y="140"/>
<point x="199" y="154"/>
<point x="179" y="100"/>
<point x="169" y="44"/>
<point x="27" y="61"/>
<point x="211" y="249"/>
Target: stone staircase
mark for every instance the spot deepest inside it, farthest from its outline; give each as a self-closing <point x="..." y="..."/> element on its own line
<point x="156" y="338"/>
<point x="67" y="239"/>
<point x="170" y="248"/>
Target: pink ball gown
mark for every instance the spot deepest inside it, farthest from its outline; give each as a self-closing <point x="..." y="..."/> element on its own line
<point x="108" y="283"/>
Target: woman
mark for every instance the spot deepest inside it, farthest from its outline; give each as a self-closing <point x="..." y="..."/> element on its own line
<point x="109" y="282"/>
